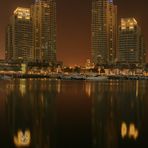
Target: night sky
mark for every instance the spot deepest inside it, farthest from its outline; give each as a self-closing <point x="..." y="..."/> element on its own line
<point x="73" y="25"/>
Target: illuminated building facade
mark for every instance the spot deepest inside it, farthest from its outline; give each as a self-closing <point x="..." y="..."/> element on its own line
<point x="103" y="31"/>
<point x="19" y="40"/>
<point x="8" y="43"/>
<point x="44" y="26"/>
<point x="131" y="43"/>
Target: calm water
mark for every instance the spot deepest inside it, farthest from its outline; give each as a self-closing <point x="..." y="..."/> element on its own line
<point x="73" y="114"/>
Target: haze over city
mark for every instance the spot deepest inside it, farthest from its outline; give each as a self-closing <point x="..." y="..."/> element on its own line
<point x="74" y="25"/>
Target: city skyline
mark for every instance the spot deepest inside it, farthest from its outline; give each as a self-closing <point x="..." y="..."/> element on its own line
<point x="74" y="31"/>
<point x="130" y="42"/>
<point x="44" y="23"/>
<point x="19" y="36"/>
<point x="103" y="32"/>
<point x="31" y="33"/>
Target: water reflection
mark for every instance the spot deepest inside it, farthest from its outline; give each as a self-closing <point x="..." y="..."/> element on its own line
<point x="88" y="88"/>
<point x="22" y="139"/>
<point x="130" y="132"/>
<point x="22" y="86"/>
<point x="124" y="131"/>
<point x="73" y="114"/>
<point x="31" y="114"/>
<point x="117" y="114"/>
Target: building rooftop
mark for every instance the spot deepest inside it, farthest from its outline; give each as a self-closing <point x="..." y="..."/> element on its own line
<point x="128" y="23"/>
<point x="22" y="13"/>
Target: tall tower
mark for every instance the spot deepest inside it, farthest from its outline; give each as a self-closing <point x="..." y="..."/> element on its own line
<point x="44" y="26"/>
<point x="103" y="31"/>
<point x="19" y="44"/>
<point x="131" y="42"/>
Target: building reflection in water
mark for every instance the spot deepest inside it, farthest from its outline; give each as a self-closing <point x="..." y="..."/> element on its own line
<point x="22" y="87"/>
<point x="31" y="112"/>
<point x="129" y="132"/>
<point x="88" y="88"/>
<point x="22" y="139"/>
<point x="117" y="114"/>
<point x="118" y="111"/>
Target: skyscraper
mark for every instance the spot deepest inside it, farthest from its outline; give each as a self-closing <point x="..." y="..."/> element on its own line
<point x="19" y="44"/>
<point x="43" y="13"/>
<point x="103" y="31"/>
<point x="131" y="42"/>
<point x="8" y="43"/>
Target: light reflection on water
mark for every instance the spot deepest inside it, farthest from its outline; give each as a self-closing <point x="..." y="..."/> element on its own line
<point x="73" y="114"/>
<point x="22" y="139"/>
<point x="119" y="114"/>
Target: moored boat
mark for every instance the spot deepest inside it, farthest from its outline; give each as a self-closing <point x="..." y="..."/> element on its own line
<point x="96" y="78"/>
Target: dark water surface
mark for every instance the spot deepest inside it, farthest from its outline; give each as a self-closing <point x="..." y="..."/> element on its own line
<point x="73" y="114"/>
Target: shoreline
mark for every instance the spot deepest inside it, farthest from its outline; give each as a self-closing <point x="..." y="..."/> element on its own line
<point x="75" y="77"/>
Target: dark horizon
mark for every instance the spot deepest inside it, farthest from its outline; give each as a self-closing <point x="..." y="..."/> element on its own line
<point x="74" y="25"/>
